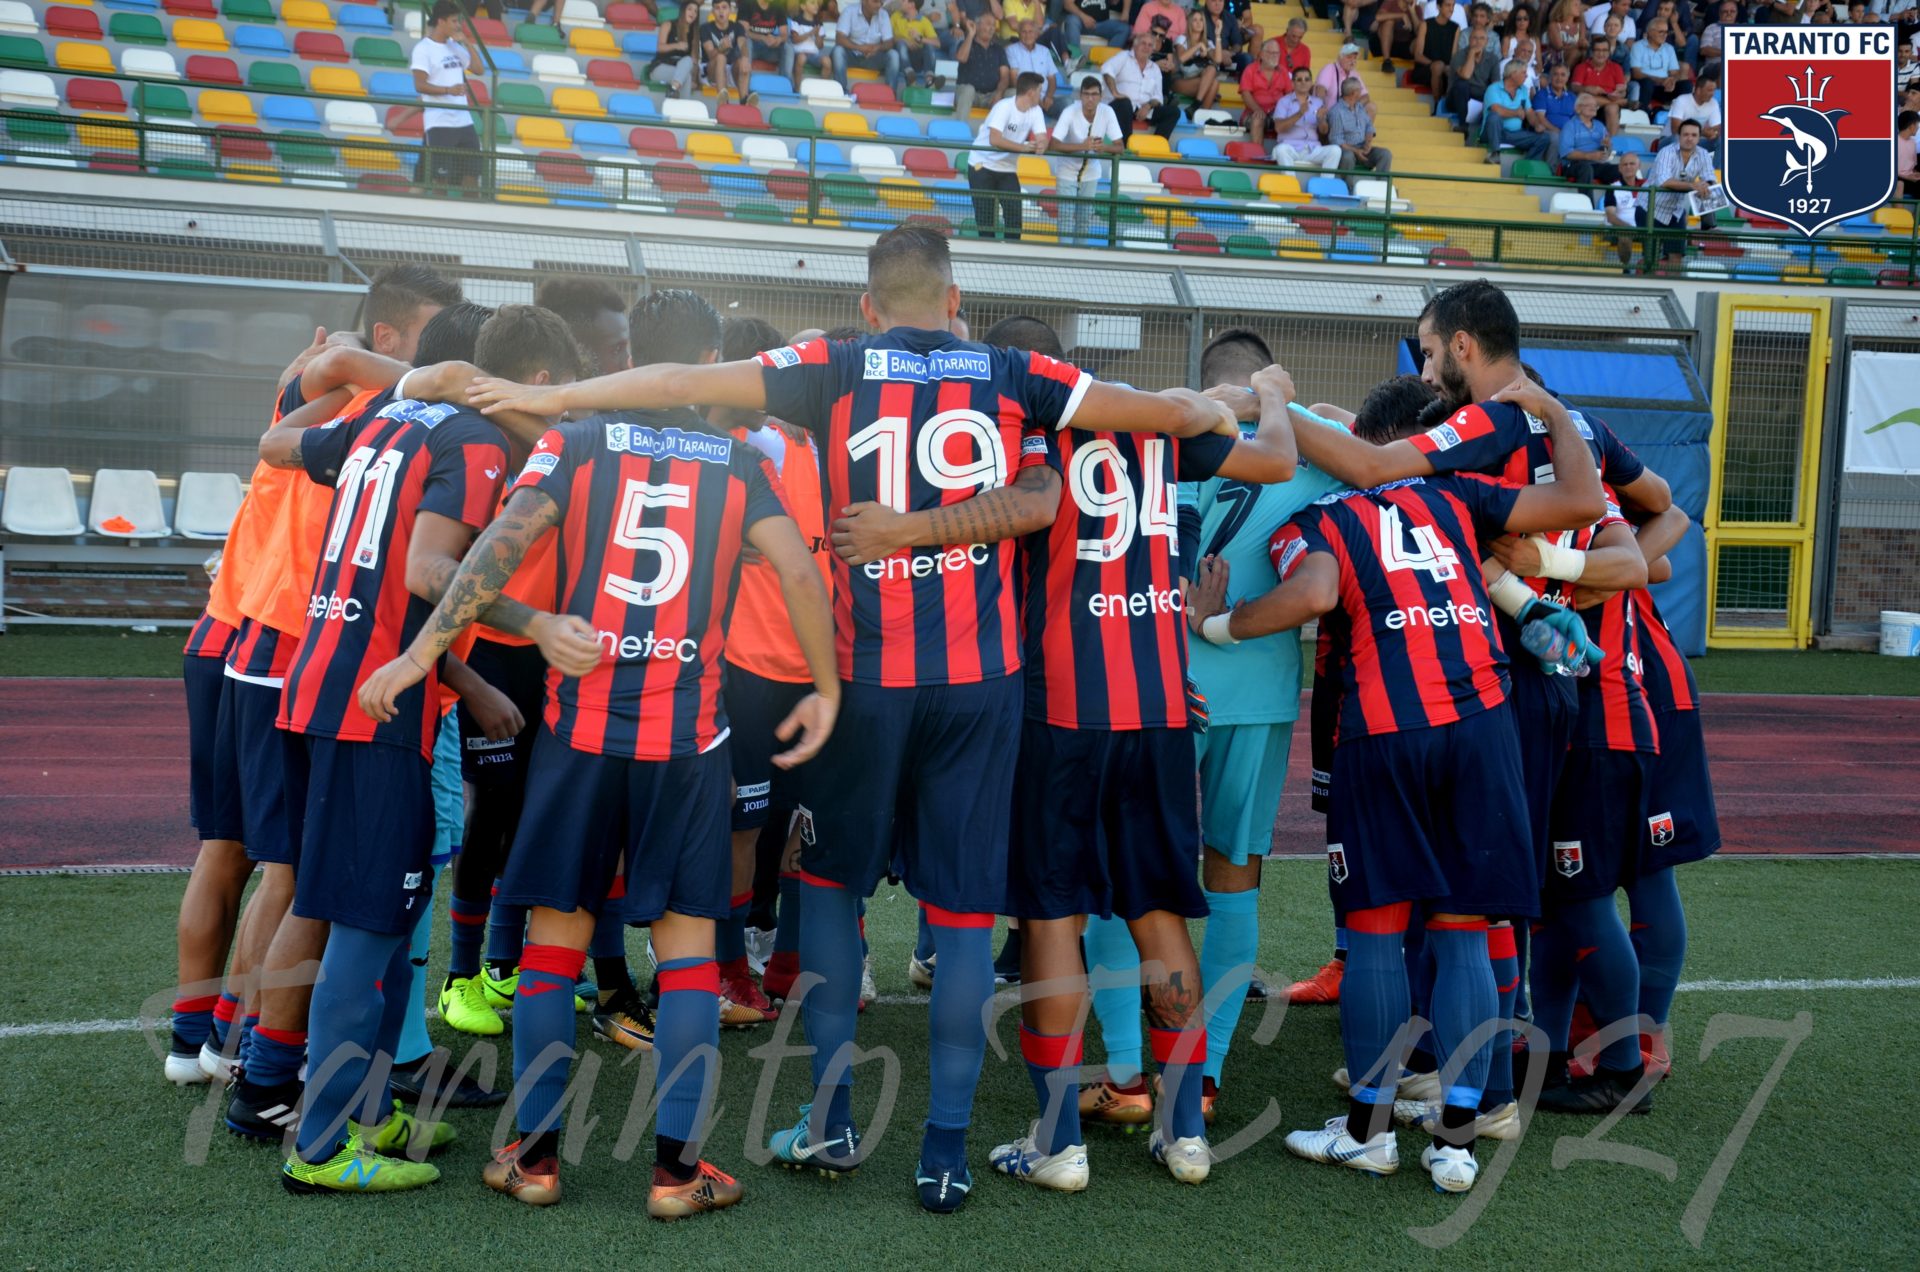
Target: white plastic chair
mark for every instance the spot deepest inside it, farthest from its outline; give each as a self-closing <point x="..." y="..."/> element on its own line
<point x="766" y="152"/>
<point x="357" y="118"/>
<point x="40" y="502"/>
<point x="206" y="504"/>
<point x="875" y="161"/>
<point x="149" y="64"/>
<point x="126" y="505"/>
<point x="17" y="19"/>
<point x="581" y="13"/>
<point x="557" y="68"/>
<point x="28" y="88"/>
<point x="823" y="92"/>
<point x="686" y="111"/>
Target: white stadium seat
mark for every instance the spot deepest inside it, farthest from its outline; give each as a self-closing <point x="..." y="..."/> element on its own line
<point x="39" y="501"/>
<point x="206" y="504"/>
<point x="126" y="505"/>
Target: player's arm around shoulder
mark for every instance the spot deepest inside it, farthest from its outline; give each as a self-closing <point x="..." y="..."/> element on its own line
<point x="869" y="531"/>
<point x="779" y="541"/>
<point x="659" y="385"/>
<point x="285" y="445"/>
<point x="1116" y="408"/>
<point x="1270" y="455"/>
<point x="1574" y="498"/>
<point x="1309" y="587"/>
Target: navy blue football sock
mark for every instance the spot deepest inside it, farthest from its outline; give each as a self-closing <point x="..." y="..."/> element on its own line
<point x="1180" y="1055"/>
<point x="1464" y="999"/>
<point x="1374" y="1001"/>
<point x="923" y="939"/>
<point x="1503" y="957"/>
<point x="397" y="1005"/>
<point x="608" y="950"/>
<point x="193" y="1018"/>
<point x="223" y="1013"/>
<point x="786" y="928"/>
<point x="686" y="1046"/>
<point x="1112" y="956"/>
<point x="468" y="928"/>
<point x="1590" y="949"/>
<point x="414" y="1043"/>
<point x="275" y="1055"/>
<point x="345" y="1020"/>
<point x="730" y="933"/>
<point x="506" y="932"/>
<point x="956" y="1023"/>
<point x="1051" y="1062"/>
<point x="1420" y="972"/>
<point x="1227" y="950"/>
<point x="543" y="1032"/>
<point x="830" y="949"/>
<point x="1340" y="943"/>
<point x="1659" y="934"/>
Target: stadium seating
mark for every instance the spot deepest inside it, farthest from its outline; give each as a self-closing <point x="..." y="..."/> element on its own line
<point x="126" y="505"/>
<point x="40" y="502"/>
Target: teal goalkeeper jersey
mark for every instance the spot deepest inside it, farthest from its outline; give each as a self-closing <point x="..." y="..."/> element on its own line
<point x="1256" y="681"/>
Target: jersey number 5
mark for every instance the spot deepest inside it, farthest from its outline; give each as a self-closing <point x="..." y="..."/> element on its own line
<point x="675" y="560"/>
<point x="369" y="480"/>
<point x="1429" y="552"/>
<point x="1130" y="515"/>
<point x="887" y="440"/>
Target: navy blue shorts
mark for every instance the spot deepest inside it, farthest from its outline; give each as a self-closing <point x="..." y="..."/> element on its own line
<point x="1104" y="822"/>
<point x="1682" y="823"/>
<point x="1545" y="710"/>
<point x="1433" y="815"/>
<point x="213" y="794"/>
<point x="247" y="712"/>
<point x="755" y="708"/>
<point x="520" y="672"/>
<point x="363" y="832"/>
<point x="1599" y="823"/>
<point x="630" y="838"/>
<point x="920" y="776"/>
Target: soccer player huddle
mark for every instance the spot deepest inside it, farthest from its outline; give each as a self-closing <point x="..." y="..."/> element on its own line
<point x="661" y="618"/>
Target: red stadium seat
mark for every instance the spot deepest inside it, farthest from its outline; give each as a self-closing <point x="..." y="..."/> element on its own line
<point x="872" y="96"/>
<point x="69" y="23"/>
<point x="927" y="164"/>
<point x="384" y="183"/>
<point x="560" y="167"/>
<point x="1451" y="257"/>
<point x="1246" y="152"/>
<point x="477" y="93"/>
<point x="629" y="17"/>
<point x="206" y="68"/>
<point x="1198" y="242"/>
<point x="111" y="162"/>
<point x="493" y="33"/>
<point x="1710" y="246"/>
<point x="789" y="187"/>
<point x="732" y="115"/>
<point x="608" y="73"/>
<point x="1184" y="182"/>
<point x="679" y="178"/>
<point x="190" y="9"/>
<point x="1320" y="227"/>
<point x="404" y="122"/>
<point x="100" y="95"/>
<point x="248" y="145"/>
<point x="704" y="209"/>
<point x="654" y="143"/>
<point x="319" y="46"/>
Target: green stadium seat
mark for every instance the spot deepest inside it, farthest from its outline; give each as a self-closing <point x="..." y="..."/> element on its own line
<point x="522" y="97"/>
<point x="161" y="101"/>
<point x="303" y="149"/>
<point x="184" y="169"/>
<point x="789" y="119"/>
<point x="1231" y="184"/>
<point x="920" y="102"/>
<point x="538" y="37"/>
<point x="137" y="28"/>
<point x="1251" y="245"/>
<point x="764" y="213"/>
<point x="248" y="11"/>
<point x="1850" y="276"/>
<point x="275" y="77"/>
<point x="1534" y="170"/>
<point x="38" y="128"/>
<point x="21" y="50"/>
<point x="376" y="50"/>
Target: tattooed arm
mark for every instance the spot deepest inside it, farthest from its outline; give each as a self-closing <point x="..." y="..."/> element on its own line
<point x="434" y="554"/>
<point x="566" y="640"/>
<point x="280" y="446"/>
<point x="869" y="531"/>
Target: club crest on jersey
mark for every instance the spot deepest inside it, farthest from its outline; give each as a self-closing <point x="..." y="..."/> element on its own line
<point x="895" y="364"/>
<point x="1534" y="423"/>
<point x="411" y="883"/>
<point x="1660" y="829"/>
<point x="667" y="443"/>
<point x="1337" y="862"/>
<point x="1809" y="122"/>
<point x="1567" y="858"/>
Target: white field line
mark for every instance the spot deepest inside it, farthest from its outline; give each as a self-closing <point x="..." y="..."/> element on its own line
<point x="71" y="1028"/>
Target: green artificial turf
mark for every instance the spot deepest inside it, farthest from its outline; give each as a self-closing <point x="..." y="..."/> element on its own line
<point x="117" y="1172"/>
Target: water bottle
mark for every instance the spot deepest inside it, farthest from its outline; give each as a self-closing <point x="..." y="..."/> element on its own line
<point x="1556" y="654"/>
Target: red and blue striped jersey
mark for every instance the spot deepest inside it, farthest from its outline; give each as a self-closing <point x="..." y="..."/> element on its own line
<point x="914" y="420"/>
<point x="655" y="506"/>
<point x="209" y="638"/>
<point x="1614" y="712"/>
<point x="393" y="460"/>
<point x="1501" y="440"/>
<point x="1665" y="675"/>
<point x="1413" y="613"/>
<point x="1106" y="633"/>
<point x="260" y="653"/>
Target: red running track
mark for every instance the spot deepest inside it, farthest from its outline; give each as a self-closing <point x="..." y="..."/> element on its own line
<point x="94" y="772"/>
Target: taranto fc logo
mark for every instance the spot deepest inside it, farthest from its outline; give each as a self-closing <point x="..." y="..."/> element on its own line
<point x="1809" y="122"/>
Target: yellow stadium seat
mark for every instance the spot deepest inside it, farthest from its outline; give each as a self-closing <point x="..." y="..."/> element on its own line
<point x="521" y="194"/>
<point x="370" y="158"/>
<point x="1040" y="232"/>
<point x="337" y="81"/>
<point x="1300" y="250"/>
<point x="578" y="101"/>
<point x="260" y="174"/>
<point x="845" y="123"/>
<point x="906" y="194"/>
<point x="1281" y="187"/>
<point x="73" y="55"/>
<point x="824" y="217"/>
<point x="309" y="15"/>
<point x="107" y="135"/>
<point x="1429" y="232"/>
<point x="200" y="35"/>
<point x="710" y="148"/>
<point x="533" y="133"/>
<point x="222" y="106"/>
<point x="1034" y="172"/>
<point x="592" y="42"/>
<point x="1150" y="146"/>
<point x="1164" y="209"/>
<point x="1859" y="255"/>
<point x="1897" y="220"/>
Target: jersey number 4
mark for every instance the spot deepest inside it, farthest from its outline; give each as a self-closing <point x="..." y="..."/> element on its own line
<point x="671" y="548"/>
<point x="1428" y="553"/>
<point x="1131" y="515"/>
<point x="367" y="478"/>
<point x="888" y="439"/>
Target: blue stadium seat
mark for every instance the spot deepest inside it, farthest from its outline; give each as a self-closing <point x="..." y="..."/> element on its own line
<point x="137" y="6"/>
<point x="288" y="112"/>
<point x="1198" y="148"/>
<point x="362" y="17"/>
<point x="824" y="155"/>
<point x="1627" y="141"/>
<point x="260" y="41"/>
<point x="642" y="44"/>
<point x="632" y="106"/>
<point x="898" y="127"/>
<point x="952" y="130"/>
<point x="593" y="136"/>
<point x="392" y="84"/>
<point x="508" y="61"/>
<point x="773" y="86"/>
<point x="737" y="181"/>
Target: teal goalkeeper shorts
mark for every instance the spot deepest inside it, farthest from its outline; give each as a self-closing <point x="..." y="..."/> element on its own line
<point x="1242" y="770"/>
<point x="449" y="796"/>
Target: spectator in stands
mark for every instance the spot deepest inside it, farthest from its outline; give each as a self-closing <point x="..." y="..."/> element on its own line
<point x="1474" y="65"/>
<point x="1146" y="12"/>
<point x="496" y="10"/>
<point x="802" y="49"/>
<point x="1597" y="22"/>
<point x="1462" y="13"/>
<point x="1680" y="170"/>
<point x="1565" y="39"/>
<point x="1586" y="149"/>
<point x="723" y="52"/>
<point x="1517" y="27"/>
<point x="865" y="39"/>
<point x="919" y="42"/>
<point x="1134" y="88"/>
<point x="765" y="22"/>
<point x="1601" y="77"/>
<point x="1910" y="97"/>
<point x="1702" y="105"/>
<point x="1523" y="53"/>
<point x="1262" y="85"/>
<point x="1627" y="204"/>
<point x="1556" y="99"/>
<point x="673" y="54"/>
<point x="1714" y="39"/>
<point x="1345" y="66"/>
<point x="984" y="73"/>
<point x="1906" y="67"/>
<point x="1679" y="21"/>
<point x="1085" y="134"/>
<point x="1105" y="18"/>
<point x="1029" y="55"/>
<point x="939" y="13"/>
<point x="1350" y="127"/>
<point x="1904" y="163"/>
<point x="1301" y="130"/>
<point x="1294" y="53"/>
<point x="1511" y="120"/>
<point x="1013" y="127"/>
<point x="1433" y="45"/>
<point x="1187" y="66"/>
<point x="1658" y="76"/>
<point x="440" y="61"/>
<point x="596" y="315"/>
<point x="1236" y="39"/>
<point x="1392" y="31"/>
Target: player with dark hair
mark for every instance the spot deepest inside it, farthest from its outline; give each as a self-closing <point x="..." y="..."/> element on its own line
<point x="630" y="782"/>
<point x="597" y="315"/>
<point x="1428" y="807"/>
<point x="909" y="420"/>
